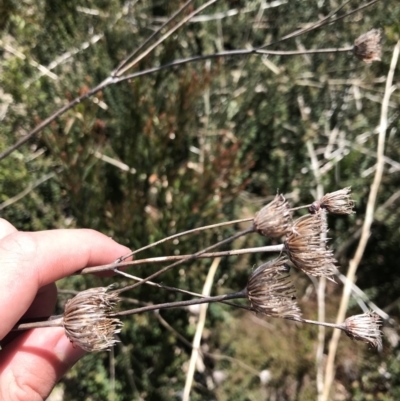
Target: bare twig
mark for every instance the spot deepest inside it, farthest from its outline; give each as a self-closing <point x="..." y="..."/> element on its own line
<point x="321" y="284"/>
<point x="180" y="304"/>
<point x="160" y="259"/>
<point x="121" y="70"/>
<point x="192" y="231"/>
<point x="369" y="216"/>
<point x="26" y="191"/>
<point x="192" y="257"/>
<point x="115" y="80"/>
<point x="123" y="63"/>
<point x="199" y="330"/>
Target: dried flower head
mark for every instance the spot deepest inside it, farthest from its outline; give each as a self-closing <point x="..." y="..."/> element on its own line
<point x="365" y="327"/>
<point x="274" y="219"/>
<point x="306" y="246"/>
<point x="87" y="322"/>
<point x="368" y="47"/>
<point x="338" y="202"/>
<point x="270" y="291"/>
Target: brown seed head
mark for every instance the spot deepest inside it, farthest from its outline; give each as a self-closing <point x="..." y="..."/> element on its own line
<point x="274" y="219"/>
<point x="306" y="247"/>
<point x="368" y="47"/>
<point x="270" y="291"/>
<point x="86" y="320"/>
<point x="365" y="327"/>
<point x="338" y="202"/>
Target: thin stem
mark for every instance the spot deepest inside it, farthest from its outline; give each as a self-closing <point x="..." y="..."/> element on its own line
<point x="194" y="230"/>
<point x="160" y="259"/>
<point x="369" y="218"/>
<point x="300" y="207"/>
<point x="108" y="81"/>
<point x="325" y="324"/>
<point x="165" y="36"/>
<point x="150" y="38"/>
<point x="179" y="262"/>
<point x="114" y="80"/>
<point x="52" y="321"/>
<point x="178" y="304"/>
<point x="230" y="53"/>
<point x="322" y="22"/>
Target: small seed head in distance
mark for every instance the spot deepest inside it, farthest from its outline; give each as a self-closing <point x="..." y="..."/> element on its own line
<point x="270" y="291"/>
<point x="274" y="219"/>
<point x="338" y="202"/>
<point x="368" y="46"/>
<point x="306" y="247"/>
<point x="87" y="322"/>
<point x="365" y="327"/>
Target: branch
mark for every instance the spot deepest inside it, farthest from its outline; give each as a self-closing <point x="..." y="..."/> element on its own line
<point x="369" y="217"/>
<point x="115" y="80"/>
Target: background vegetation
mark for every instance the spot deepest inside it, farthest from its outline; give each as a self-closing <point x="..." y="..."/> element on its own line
<point x="198" y="144"/>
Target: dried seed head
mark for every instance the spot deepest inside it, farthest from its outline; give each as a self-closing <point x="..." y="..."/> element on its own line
<point x="306" y="247"/>
<point x="87" y="322"/>
<point x="338" y="202"/>
<point x="368" y="47"/>
<point x="274" y="219"/>
<point x="365" y="327"/>
<point x="270" y="291"/>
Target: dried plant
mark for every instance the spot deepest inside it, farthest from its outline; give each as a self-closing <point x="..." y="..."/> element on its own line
<point x="365" y="327"/>
<point x="86" y="319"/>
<point x="275" y="219"/>
<point x="306" y="247"/>
<point x="368" y="47"/>
<point x="91" y="322"/>
<point x="338" y="202"/>
<point x="270" y="291"/>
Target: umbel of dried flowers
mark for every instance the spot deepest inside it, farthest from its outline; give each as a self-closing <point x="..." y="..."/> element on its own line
<point x="338" y="202"/>
<point x="367" y="47"/>
<point x="274" y="219"/>
<point x="365" y="328"/>
<point x="86" y="319"/>
<point x="306" y="246"/>
<point x="270" y="291"/>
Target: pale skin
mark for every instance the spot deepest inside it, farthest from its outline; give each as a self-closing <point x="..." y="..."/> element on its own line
<point x="33" y="362"/>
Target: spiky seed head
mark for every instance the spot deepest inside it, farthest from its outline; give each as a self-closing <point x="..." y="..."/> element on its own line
<point x="368" y="46"/>
<point x="270" y="291"/>
<point x="87" y="322"/>
<point x="274" y="219"/>
<point x="306" y="247"/>
<point x="338" y="202"/>
<point x="365" y="327"/>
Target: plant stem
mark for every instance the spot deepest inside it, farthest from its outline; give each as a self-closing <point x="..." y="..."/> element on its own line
<point x="171" y="237"/>
<point x="177" y="304"/>
<point x="179" y="262"/>
<point x="229" y="53"/>
<point x="300" y="207"/>
<point x="52" y="321"/>
<point x="160" y="259"/>
<point x="332" y="325"/>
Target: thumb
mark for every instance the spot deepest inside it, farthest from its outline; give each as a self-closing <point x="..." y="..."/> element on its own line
<point x="32" y="364"/>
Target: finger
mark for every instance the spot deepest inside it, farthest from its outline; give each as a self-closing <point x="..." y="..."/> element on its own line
<point x="42" y="306"/>
<point x="6" y="228"/>
<point x="33" y="363"/>
<point x="30" y="261"/>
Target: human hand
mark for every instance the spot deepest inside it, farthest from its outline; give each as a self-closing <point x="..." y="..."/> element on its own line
<point x="33" y="361"/>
